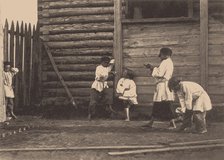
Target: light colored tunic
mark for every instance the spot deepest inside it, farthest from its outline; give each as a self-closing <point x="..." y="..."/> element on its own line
<point x="127" y="88"/>
<point x="7" y="80"/>
<point x="193" y="97"/>
<point x="102" y="74"/>
<point x="162" y="74"/>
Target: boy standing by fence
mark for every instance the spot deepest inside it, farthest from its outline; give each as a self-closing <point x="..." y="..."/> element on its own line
<point x="99" y="89"/>
<point x="8" y="74"/>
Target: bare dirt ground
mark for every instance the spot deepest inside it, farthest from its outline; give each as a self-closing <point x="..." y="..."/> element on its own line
<point x="75" y="133"/>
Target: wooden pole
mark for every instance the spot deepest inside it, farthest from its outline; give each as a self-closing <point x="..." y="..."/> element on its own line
<point x="117" y="46"/>
<point x="204" y="42"/>
<point x="17" y="60"/>
<point x="6" y="29"/>
<point x="166" y="149"/>
<point x="12" y="43"/>
<point x="2" y="96"/>
<point x="21" y="64"/>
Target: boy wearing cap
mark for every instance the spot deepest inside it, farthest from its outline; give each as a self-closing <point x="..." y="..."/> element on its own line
<point x="163" y="98"/>
<point x="194" y="99"/>
<point x="99" y="89"/>
<point x="8" y="75"/>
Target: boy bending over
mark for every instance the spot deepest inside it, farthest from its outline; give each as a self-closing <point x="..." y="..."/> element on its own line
<point x="195" y="100"/>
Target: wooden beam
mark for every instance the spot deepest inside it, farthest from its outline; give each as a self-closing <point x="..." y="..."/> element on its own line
<point x="59" y="75"/>
<point x="204" y="41"/>
<point x="166" y="149"/>
<point x="2" y="54"/>
<point x="190" y="8"/>
<point x="117" y="50"/>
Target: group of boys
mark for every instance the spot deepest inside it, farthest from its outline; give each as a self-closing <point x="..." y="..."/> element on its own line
<point x="194" y="100"/>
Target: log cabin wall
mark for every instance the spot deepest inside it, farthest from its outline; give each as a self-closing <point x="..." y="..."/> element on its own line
<point x="216" y="50"/>
<point x="142" y="42"/>
<point x="78" y="33"/>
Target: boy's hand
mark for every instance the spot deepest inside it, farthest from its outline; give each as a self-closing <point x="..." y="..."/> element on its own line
<point x="112" y="61"/>
<point x="113" y="72"/>
<point x="15" y="70"/>
<point x="148" y="66"/>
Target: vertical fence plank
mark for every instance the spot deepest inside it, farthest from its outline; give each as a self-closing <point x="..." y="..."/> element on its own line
<point x="25" y="66"/>
<point x="29" y="63"/>
<point x="6" y="30"/>
<point x="21" y="63"/>
<point x="12" y="32"/>
<point x="39" y="62"/>
<point x="33" y="82"/>
<point x="17" y="97"/>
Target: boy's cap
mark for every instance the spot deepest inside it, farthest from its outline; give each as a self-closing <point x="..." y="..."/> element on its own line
<point x="173" y="82"/>
<point x="165" y="51"/>
<point x="105" y="59"/>
<point x="7" y="63"/>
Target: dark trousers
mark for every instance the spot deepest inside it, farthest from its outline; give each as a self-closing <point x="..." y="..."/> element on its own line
<point x="105" y="98"/>
<point x="197" y="117"/>
<point x="9" y="103"/>
<point x="163" y="110"/>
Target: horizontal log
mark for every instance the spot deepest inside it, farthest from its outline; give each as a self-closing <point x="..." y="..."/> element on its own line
<point x="178" y="71"/>
<point x="82" y="52"/>
<point x="216" y="70"/>
<point x="145" y="99"/>
<point x="216" y="60"/>
<point x="75" y="11"/>
<point x="77" y="19"/>
<point x="61" y="92"/>
<point x="216" y="50"/>
<point x="71" y="67"/>
<point x="63" y="101"/>
<point x="78" y="37"/>
<point x="77" y="28"/>
<point x="216" y="89"/>
<point x="69" y="76"/>
<point x="216" y="80"/>
<point x="144" y="31"/>
<point x="142" y="81"/>
<point x="75" y="60"/>
<point x="71" y="84"/>
<point x="145" y="89"/>
<point x="72" y="3"/>
<point x="154" y="51"/>
<point x="161" y="41"/>
<point x="80" y="44"/>
<point x="177" y="60"/>
<point x="216" y="99"/>
<point x="216" y="39"/>
<point x="216" y="28"/>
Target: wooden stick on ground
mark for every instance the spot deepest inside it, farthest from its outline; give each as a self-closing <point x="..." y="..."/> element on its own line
<point x="80" y="148"/>
<point x="165" y="149"/>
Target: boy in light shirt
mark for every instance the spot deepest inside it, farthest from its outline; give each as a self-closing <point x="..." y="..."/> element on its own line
<point x="126" y="89"/>
<point x="99" y="89"/>
<point x="194" y="99"/>
<point x="163" y="98"/>
<point x="8" y="75"/>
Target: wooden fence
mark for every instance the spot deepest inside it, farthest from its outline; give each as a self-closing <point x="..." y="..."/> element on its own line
<point x="22" y="48"/>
